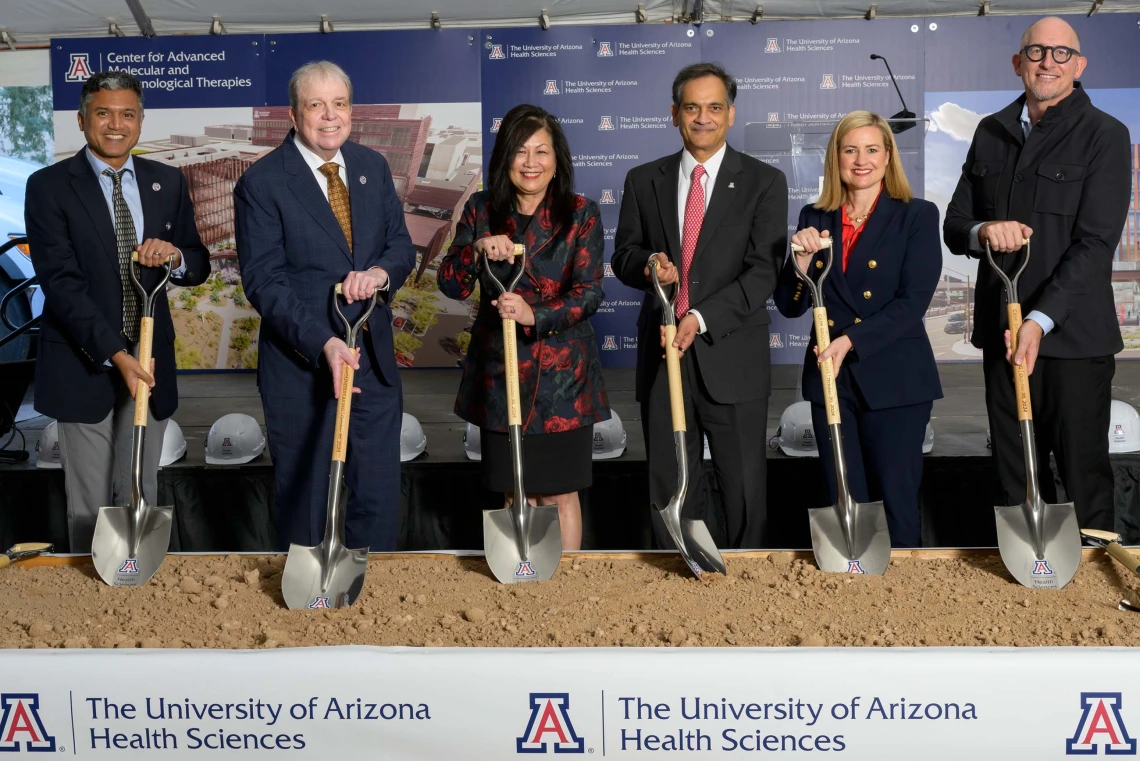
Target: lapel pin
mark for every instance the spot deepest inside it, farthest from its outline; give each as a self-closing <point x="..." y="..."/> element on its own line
<point x="156" y="187"/>
<point x="732" y="185"/>
<point x="363" y="180"/>
<point x="167" y="225"/>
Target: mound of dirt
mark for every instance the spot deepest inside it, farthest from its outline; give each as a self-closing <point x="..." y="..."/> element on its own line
<point x="429" y="600"/>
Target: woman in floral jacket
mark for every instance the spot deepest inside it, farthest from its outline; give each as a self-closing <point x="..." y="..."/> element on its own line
<point x="530" y="200"/>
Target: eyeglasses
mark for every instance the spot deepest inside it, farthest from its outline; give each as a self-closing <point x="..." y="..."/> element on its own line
<point x="1061" y="54"/>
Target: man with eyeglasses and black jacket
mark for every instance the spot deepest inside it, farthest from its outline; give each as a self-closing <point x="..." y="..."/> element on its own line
<point x="1053" y="168"/>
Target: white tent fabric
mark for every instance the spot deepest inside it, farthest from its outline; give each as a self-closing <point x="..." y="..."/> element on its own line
<point x="34" y="23"/>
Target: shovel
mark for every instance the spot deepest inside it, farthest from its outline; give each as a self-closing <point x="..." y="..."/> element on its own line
<point x="849" y="536"/>
<point x="1109" y="541"/>
<point x="330" y="575"/>
<point x="1040" y="544"/>
<point x="692" y="537"/>
<point x="522" y="542"/>
<point x="23" y="551"/>
<point x="130" y="542"/>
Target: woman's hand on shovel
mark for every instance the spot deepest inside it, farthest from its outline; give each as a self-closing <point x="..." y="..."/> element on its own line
<point x="337" y="354"/>
<point x="512" y="307"/>
<point x="132" y="371"/>
<point x="836" y="351"/>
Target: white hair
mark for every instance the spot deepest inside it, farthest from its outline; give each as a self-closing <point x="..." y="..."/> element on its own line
<point x="315" y="70"/>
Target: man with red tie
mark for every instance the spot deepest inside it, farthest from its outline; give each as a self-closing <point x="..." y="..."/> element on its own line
<point x="716" y="221"/>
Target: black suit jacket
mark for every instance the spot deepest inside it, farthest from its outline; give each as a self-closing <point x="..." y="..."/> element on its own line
<point x="75" y="255"/>
<point x="293" y="251"/>
<point x="1070" y="181"/>
<point x="742" y="243"/>
<point x="878" y="303"/>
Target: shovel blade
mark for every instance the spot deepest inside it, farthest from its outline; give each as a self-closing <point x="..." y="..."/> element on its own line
<point x="502" y="546"/>
<point x="692" y="540"/>
<point x="870" y="539"/>
<point x="303" y="582"/>
<point x="111" y="545"/>
<point x="1061" y="545"/>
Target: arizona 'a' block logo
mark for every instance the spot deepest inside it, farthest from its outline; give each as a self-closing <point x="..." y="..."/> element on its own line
<point x="496" y="53"/>
<point x="773" y="45"/>
<point x="604" y="50"/>
<point x="496" y="123"/>
<point x="775" y="341"/>
<point x="1101" y="728"/>
<point x="607" y="196"/>
<point x="608" y="270"/>
<point x="525" y="569"/>
<point x="609" y="343"/>
<point x="773" y="116"/>
<point x="551" y="87"/>
<point x="827" y="83"/>
<point x="21" y="727"/>
<point x="549" y="729"/>
<point x="80" y="68"/>
<point x="1041" y="568"/>
<point x="130" y="565"/>
<point x="607" y="124"/>
<point x="855" y="566"/>
<point x="319" y="603"/>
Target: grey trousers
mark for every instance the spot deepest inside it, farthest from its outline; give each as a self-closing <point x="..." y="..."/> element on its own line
<point x="96" y="461"/>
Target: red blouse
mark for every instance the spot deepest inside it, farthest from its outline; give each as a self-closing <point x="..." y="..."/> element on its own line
<point x="851" y="233"/>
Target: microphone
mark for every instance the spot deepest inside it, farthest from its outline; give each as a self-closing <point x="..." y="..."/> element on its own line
<point x="897" y="127"/>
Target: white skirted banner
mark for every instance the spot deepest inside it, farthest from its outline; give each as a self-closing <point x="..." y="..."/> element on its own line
<point x="397" y="703"/>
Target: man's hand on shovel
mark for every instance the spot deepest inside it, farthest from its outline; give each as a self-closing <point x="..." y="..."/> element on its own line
<point x="132" y="371"/>
<point x="337" y="354"/>
<point x="686" y="333"/>
<point x="1028" y="344"/>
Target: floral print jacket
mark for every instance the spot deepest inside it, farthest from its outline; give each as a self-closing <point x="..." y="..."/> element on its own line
<point x="560" y="374"/>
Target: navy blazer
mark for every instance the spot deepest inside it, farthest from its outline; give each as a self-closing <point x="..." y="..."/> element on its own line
<point x="292" y="252"/>
<point x="76" y="257"/>
<point x="879" y="303"/>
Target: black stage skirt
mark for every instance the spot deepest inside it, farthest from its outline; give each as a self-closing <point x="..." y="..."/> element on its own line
<point x="553" y="463"/>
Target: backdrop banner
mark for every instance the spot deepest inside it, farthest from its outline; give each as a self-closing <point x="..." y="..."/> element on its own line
<point x="869" y="704"/>
<point x="431" y="102"/>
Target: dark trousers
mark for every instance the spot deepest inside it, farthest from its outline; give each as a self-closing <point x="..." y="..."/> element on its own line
<point x="300" y="442"/>
<point x="1072" y="399"/>
<point x="883" y="451"/>
<point x="737" y="439"/>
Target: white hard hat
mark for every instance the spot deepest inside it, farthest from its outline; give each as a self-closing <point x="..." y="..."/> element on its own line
<point x="1123" y="428"/>
<point x="928" y="439"/>
<point x="234" y="439"/>
<point x="609" y="438"/>
<point x="173" y="444"/>
<point x="47" y="448"/>
<point x="471" y="444"/>
<point x="413" y="440"/>
<point x="796" y="436"/>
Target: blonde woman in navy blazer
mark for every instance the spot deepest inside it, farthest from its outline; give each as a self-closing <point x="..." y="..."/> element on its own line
<point x="887" y="264"/>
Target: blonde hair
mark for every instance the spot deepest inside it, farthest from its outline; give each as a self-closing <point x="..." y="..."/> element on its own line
<point x="833" y="194"/>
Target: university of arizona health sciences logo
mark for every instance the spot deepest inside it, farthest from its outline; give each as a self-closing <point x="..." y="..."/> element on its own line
<point x="496" y="123"/>
<point x="1101" y="728"/>
<point x="827" y="83"/>
<point x="1041" y="568"/>
<point x="130" y="565"/>
<point x="551" y="87"/>
<point x="607" y="196"/>
<point x="605" y="50"/>
<point x="606" y="124"/>
<point x="525" y="570"/>
<point x="855" y="566"/>
<point x="79" y="70"/>
<point x="21" y="728"/>
<point x="549" y="729"/>
<point x="496" y="53"/>
<point x="773" y="45"/>
<point x="609" y="343"/>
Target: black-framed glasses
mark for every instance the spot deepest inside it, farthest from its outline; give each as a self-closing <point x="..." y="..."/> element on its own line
<point x="1061" y="54"/>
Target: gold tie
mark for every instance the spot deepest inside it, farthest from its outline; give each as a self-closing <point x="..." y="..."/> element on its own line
<point x="338" y="199"/>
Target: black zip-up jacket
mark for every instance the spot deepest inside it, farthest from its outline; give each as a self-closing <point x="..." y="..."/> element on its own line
<point x="1070" y="181"/>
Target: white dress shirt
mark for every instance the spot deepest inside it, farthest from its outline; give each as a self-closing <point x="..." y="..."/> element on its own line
<point x="708" y="182"/>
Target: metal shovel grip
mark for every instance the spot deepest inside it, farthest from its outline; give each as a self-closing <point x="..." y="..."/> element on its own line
<point x="822" y="334"/>
<point x="1013" y="311"/>
<point x="347" y="374"/>
<point x="510" y="340"/>
<point x="146" y="335"/>
<point x="672" y="355"/>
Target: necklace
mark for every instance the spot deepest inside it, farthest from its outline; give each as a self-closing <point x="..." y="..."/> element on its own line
<point x="855" y="219"/>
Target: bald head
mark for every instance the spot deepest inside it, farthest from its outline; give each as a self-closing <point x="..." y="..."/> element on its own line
<point x="1051" y="27"/>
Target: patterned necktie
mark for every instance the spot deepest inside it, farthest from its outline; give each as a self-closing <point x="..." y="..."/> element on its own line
<point x="127" y="242"/>
<point x="338" y="199"/>
<point x="694" y="216"/>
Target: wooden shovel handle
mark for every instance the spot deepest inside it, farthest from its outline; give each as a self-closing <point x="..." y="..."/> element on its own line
<point x="142" y="391"/>
<point x="673" y="367"/>
<point x="511" y="361"/>
<point x="827" y="367"/>
<point x="1020" y="374"/>
<point x="343" y="408"/>
<point x="5" y="561"/>
<point x="1124" y="557"/>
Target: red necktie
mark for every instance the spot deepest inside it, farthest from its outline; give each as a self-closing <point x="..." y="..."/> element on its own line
<point x="694" y="216"/>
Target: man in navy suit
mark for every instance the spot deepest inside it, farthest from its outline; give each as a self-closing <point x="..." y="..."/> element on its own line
<point x="85" y="217"/>
<point x="314" y="212"/>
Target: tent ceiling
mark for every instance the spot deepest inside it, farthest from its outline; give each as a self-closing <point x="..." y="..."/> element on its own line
<point x="34" y="23"/>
